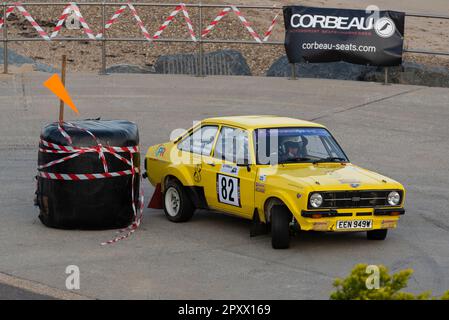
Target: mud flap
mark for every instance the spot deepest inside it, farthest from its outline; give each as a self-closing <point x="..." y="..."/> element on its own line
<point x="258" y="228"/>
<point x="156" y="200"/>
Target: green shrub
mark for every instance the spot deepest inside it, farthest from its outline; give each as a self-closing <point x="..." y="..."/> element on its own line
<point x="354" y="287"/>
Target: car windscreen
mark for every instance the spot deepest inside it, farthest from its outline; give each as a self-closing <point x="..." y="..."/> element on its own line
<point x="296" y="145"/>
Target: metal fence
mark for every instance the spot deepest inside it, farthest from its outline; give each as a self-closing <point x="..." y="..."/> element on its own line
<point x="199" y="42"/>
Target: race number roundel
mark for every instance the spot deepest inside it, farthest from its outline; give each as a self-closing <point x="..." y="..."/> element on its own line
<point x="228" y="190"/>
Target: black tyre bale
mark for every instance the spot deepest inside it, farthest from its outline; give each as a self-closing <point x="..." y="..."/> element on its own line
<point x="89" y="204"/>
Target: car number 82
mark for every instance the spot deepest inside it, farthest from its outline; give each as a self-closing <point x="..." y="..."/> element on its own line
<point x="228" y="190"/>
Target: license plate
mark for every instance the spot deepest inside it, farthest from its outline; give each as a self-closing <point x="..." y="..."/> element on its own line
<point x="354" y="224"/>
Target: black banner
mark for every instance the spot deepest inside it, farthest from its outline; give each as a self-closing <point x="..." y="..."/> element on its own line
<point x="355" y="36"/>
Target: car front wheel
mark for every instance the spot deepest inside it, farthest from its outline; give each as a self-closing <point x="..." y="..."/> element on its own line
<point x="377" y="234"/>
<point x="280" y="227"/>
<point x="177" y="205"/>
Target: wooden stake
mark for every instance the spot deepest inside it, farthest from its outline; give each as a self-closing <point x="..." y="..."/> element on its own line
<point x="61" y="103"/>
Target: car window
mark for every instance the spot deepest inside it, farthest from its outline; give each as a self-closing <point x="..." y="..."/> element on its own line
<point x="200" y="141"/>
<point x="287" y="145"/>
<point x="331" y="146"/>
<point x="232" y="145"/>
<point x="316" y="148"/>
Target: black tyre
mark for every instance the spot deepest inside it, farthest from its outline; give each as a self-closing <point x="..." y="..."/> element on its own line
<point x="377" y="234"/>
<point x="178" y="207"/>
<point x="280" y="227"/>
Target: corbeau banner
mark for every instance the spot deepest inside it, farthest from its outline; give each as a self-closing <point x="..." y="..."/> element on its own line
<point x="355" y="36"/>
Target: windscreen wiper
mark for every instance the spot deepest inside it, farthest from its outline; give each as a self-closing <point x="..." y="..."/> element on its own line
<point x="330" y="159"/>
<point x="297" y="159"/>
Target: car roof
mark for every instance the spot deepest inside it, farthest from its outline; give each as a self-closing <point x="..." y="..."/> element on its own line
<point x="261" y="121"/>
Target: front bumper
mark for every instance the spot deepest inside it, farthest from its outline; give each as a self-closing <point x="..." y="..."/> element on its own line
<point x="353" y="212"/>
<point x="326" y="220"/>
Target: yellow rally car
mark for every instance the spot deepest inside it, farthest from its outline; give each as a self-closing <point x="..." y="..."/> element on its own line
<point x="280" y="172"/>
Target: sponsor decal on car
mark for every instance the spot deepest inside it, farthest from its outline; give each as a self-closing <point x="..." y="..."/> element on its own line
<point x="352" y="183"/>
<point x="197" y="173"/>
<point x="160" y="151"/>
<point x="320" y="226"/>
<point x="229" y="169"/>
<point x="387" y="224"/>
<point x="260" y="187"/>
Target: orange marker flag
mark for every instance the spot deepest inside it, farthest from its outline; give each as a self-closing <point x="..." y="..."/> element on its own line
<point x="54" y="84"/>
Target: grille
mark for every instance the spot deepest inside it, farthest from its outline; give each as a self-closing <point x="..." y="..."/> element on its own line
<point x="355" y="199"/>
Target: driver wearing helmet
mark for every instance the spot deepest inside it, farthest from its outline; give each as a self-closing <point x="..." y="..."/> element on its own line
<point x="291" y="149"/>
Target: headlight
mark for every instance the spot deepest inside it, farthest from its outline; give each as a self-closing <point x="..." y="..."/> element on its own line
<point x="316" y="200"/>
<point x="394" y="198"/>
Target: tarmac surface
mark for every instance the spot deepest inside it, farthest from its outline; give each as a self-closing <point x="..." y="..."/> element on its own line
<point x="13" y="293"/>
<point x="399" y="131"/>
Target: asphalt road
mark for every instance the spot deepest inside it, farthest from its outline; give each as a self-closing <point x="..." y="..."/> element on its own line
<point x="399" y="131"/>
<point x="14" y="293"/>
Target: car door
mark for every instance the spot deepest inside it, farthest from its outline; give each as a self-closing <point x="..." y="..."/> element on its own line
<point x="196" y="149"/>
<point x="229" y="175"/>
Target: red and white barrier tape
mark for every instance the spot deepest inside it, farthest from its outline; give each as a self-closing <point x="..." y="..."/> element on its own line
<point x="83" y="22"/>
<point x="80" y="152"/>
<point x="68" y="149"/>
<point x="87" y="30"/>
<point x="87" y="176"/>
<point x="111" y="21"/>
<point x="246" y="24"/>
<point x="117" y="14"/>
<point x="144" y="30"/>
<point x="188" y="21"/>
<point x="72" y="6"/>
<point x="61" y="20"/>
<point x="270" y="29"/>
<point x="9" y="10"/>
<point x="166" y="22"/>
<point x="64" y="134"/>
<point x="99" y="146"/>
<point x="28" y="17"/>
<point x="77" y="151"/>
<point x="171" y="17"/>
<point x="48" y="147"/>
<point x="214" y="22"/>
<point x="127" y="232"/>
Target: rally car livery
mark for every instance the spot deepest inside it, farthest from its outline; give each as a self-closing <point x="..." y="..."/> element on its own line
<point x="279" y="172"/>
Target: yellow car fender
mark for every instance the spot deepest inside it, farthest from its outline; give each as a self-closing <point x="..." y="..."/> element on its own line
<point x="283" y="196"/>
<point x="181" y="174"/>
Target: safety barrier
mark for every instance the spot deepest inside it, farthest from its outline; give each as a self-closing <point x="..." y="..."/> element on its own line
<point x="198" y="34"/>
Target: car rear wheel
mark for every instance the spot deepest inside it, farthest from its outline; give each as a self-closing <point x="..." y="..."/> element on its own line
<point x="377" y="234"/>
<point x="280" y="227"/>
<point x="177" y="205"/>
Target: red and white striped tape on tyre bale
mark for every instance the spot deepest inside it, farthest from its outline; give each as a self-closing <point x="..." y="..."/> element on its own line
<point x="102" y="201"/>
